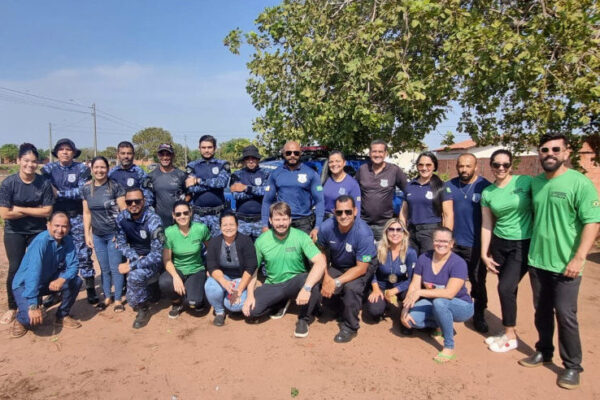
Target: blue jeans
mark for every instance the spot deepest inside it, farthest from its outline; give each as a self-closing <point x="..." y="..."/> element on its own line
<point x="69" y="290"/>
<point x="216" y="296"/>
<point x="440" y="312"/>
<point x="109" y="259"/>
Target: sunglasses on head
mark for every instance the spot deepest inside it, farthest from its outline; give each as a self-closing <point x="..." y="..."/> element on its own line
<point x="396" y="230"/>
<point x="131" y="202"/>
<point x="289" y="153"/>
<point x="547" y="149"/>
<point x="180" y="213"/>
<point x="497" y="165"/>
<point x="339" y="213"/>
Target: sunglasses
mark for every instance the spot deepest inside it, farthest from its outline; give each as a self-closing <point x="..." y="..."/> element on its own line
<point x="131" y="202"/>
<point x="547" y="149"/>
<point x="339" y="213"/>
<point x="497" y="165"/>
<point x="228" y="251"/>
<point x="396" y="230"/>
<point x="289" y="153"/>
<point x="180" y="213"/>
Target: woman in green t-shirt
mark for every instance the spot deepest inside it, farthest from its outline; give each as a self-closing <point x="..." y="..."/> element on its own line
<point x="507" y="217"/>
<point x="185" y="275"/>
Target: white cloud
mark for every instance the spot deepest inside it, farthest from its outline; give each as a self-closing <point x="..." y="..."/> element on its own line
<point x="177" y="98"/>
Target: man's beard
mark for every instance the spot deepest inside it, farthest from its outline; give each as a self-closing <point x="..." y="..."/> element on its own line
<point x="551" y="168"/>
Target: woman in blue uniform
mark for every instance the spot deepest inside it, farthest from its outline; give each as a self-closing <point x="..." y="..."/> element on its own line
<point x="339" y="183"/>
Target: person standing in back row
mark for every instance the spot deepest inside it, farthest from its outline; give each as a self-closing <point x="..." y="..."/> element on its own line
<point x="67" y="178"/>
<point x="299" y="186"/>
<point x="207" y="179"/>
<point x="466" y="195"/>
<point x="378" y="181"/>
<point x="129" y="175"/>
<point x="168" y="184"/>
<point x="566" y="215"/>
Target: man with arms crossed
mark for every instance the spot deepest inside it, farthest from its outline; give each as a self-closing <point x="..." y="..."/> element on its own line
<point x="566" y="216"/>
<point x="283" y="249"/>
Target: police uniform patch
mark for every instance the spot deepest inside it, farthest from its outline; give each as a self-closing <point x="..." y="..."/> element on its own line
<point x="383" y="183"/>
<point x="319" y="188"/>
<point x="366" y="258"/>
<point x="215" y="170"/>
<point x="143" y="234"/>
<point x="267" y="188"/>
<point x="342" y="191"/>
<point x="302" y="178"/>
<point x="596" y="203"/>
<point x="189" y="170"/>
<point x="130" y="182"/>
<point x="72" y="178"/>
<point x="429" y="195"/>
<point x="348" y="247"/>
<point x="476" y="197"/>
<point x="258" y="181"/>
<point x="226" y="167"/>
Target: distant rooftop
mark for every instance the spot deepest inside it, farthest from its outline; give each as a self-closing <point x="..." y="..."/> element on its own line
<point x="464" y="145"/>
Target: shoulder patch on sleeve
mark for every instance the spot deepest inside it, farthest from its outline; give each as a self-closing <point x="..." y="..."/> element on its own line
<point x="366" y="258"/>
<point x="227" y="167"/>
<point x="189" y="170"/>
<point x="448" y="189"/>
<point x="319" y="188"/>
<point x="267" y="188"/>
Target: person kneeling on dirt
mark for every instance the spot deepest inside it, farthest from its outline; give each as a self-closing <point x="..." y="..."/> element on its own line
<point x="283" y="249"/>
<point x="140" y="237"/>
<point x="50" y="265"/>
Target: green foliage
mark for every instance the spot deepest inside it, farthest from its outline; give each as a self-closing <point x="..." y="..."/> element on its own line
<point x="110" y="153"/>
<point x="146" y="143"/>
<point x="345" y="72"/>
<point x="232" y="149"/>
<point x="9" y="152"/>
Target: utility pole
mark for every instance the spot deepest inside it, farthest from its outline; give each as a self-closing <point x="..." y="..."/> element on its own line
<point x="95" y="138"/>
<point x="50" y="140"/>
<point x="185" y="149"/>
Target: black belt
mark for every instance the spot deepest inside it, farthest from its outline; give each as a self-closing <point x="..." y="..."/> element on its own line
<point x="423" y="227"/>
<point x="248" y="217"/>
<point x="202" y="211"/>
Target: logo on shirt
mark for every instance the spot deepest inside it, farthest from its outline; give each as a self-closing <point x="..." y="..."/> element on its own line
<point x="143" y="234"/>
<point x="366" y="258"/>
<point x="348" y="247"/>
<point x="596" y="203"/>
<point x="267" y="188"/>
<point x="476" y="197"/>
<point x="72" y="178"/>
<point x="258" y="181"/>
<point x="342" y="191"/>
<point x="319" y="188"/>
<point x="130" y="182"/>
<point x="302" y="178"/>
<point x="429" y="195"/>
<point x="383" y="183"/>
<point x="215" y="170"/>
<point x="290" y="249"/>
<point x="559" y="195"/>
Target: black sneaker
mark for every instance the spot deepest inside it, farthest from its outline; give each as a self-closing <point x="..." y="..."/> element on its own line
<point x="344" y="336"/>
<point x="568" y="379"/>
<point x="301" y="329"/>
<point x="537" y="359"/>
<point x="176" y="309"/>
<point x="219" y="320"/>
<point x="281" y="312"/>
<point x="142" y="317"/>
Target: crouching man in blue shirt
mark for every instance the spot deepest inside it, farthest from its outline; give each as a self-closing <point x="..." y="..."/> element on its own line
<point x="349" y="245"/>
<point x="50" y="265"/>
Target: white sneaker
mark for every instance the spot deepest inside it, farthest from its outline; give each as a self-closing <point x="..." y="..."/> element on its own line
<point x="491" y="339"/>
<point x="504" y="345"/>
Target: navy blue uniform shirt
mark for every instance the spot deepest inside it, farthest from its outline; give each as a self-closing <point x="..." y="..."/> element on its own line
<point x="403" y="269"/>
<point x="345" y="249"/>
<point x="68" y="181"/>
<point x="419" y="199"/>
<point x="300" y="188"/>
<point x="133" y="176"/>
<point x="249" y="202"/>
<point x="142" y="237"/>
<point x="214" y="177"/>
<point x="467" y="210"/>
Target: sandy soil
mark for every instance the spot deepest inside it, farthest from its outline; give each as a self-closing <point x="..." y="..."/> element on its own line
<point x="189" y="358"/>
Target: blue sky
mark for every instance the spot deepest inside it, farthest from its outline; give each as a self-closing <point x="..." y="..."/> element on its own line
<point x="144" y="63"/>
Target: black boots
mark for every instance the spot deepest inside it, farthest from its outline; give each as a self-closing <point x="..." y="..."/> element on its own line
<point x="142" y="317"/>
<point x="90" y="287"/>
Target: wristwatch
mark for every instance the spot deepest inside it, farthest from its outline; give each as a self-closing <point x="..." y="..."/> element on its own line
<point x="338" y="284"/>
<point x="307" y="288"/>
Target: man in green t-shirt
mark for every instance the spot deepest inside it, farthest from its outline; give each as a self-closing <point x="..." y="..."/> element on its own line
<point x="283" y="249"/>
<point x="566" y="216"/>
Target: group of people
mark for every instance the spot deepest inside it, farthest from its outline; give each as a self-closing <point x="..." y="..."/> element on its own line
<point x="294" y="238"/>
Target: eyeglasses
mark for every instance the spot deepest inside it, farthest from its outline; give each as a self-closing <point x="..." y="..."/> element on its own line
<point x="289" y="153"/>
<point x="497" y="165"/>
<point x="228" y="251"/>
<point x="339" y="213"/>
<point x="131" y="202"/>
<point x="396" y="230"/>
<point x="180" y="213"/>
<point x="547" y="149"/>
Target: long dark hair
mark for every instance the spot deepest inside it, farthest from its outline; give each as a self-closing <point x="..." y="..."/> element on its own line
<point x="437" y="185"/>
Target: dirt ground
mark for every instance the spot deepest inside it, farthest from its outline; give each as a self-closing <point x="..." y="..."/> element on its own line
<point x="189" y="358"/>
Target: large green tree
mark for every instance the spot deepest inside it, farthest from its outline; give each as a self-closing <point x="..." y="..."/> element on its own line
<point x="9" y="152"/>
<point x="345" y="72"/>
<point x="147" y="141"/>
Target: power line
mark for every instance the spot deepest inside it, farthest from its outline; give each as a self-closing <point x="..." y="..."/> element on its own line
<point x="42" y="97"/>
<point x="37" y="103"/>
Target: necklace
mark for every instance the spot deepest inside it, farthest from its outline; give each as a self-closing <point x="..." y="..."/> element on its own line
<point x="471" y="185"/>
